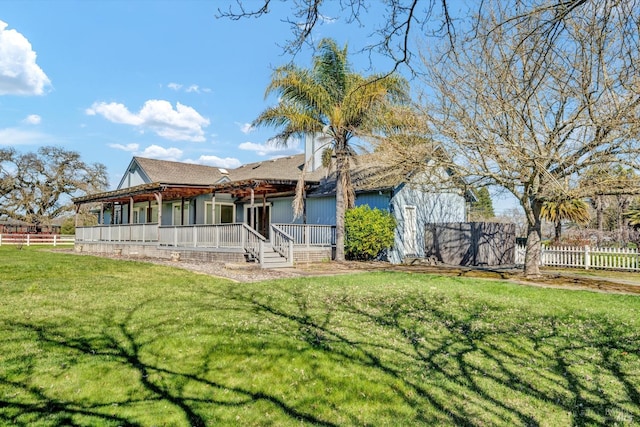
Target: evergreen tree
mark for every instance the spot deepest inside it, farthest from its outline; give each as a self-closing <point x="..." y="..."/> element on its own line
<point x="482" y="208"/>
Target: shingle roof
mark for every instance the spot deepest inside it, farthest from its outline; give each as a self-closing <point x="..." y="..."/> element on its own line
<point x="179" y="173"/>
<point x="368" y="173"/>
<point x="283" y="168"/>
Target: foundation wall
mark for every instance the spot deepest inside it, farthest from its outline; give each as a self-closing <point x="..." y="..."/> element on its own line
<point x="132" y="250"/>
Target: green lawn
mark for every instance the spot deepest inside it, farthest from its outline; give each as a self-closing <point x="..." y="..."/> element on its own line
<point x="100" y="342"/>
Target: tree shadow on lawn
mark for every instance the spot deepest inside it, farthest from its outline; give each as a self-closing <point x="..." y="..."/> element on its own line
<point x="476" y="370"/>
<point x="119" y="347"/>
<point x="418" y="358"/>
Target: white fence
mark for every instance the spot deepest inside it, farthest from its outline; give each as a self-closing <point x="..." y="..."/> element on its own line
<point x="36" y="239"/>
<point x="586" y="257"/>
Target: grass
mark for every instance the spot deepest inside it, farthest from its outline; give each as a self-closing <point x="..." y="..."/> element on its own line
<point x="91" y="341"/>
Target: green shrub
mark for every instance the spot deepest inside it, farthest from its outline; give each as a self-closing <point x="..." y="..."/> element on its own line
<point x="367" y="232"/>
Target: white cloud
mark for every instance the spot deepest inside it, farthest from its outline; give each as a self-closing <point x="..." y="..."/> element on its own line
<point x="32" y="119"/>
<point x="245" y="128"/>
<point x="227" y="162"/>
<point x="271" y="149"/>
<point x="161" y="153"/>
<point x="14" y="136"/>
<point x="114" y="112"/>
<point x="132" y="148"/>
<point x="188" y="89"/>
<point x="151" y="152"/>
<point x="180" y="124"/>
<point x="19" y="73"/>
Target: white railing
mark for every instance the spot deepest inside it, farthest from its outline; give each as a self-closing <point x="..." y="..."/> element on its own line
<point x="586" y="257"/>
<point x="118" y="233"/>
<point x="229" y="236"/>
<point x="203" y="236"/>
<point x="36" y="239"/>
<point x="310" y="234"/>
<point x="253" y="242"/>
<point x="282" y="243"/>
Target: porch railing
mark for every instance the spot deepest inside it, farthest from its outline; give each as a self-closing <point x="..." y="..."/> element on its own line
<point x="203" y="236"/>
<point x="282" y="243"/>
<point x="230" y="236"/>
<point x="118" y="233"/>
<point x="310" y="234"/>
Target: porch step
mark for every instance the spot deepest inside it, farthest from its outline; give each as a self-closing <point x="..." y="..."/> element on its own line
<point x="272" y="259"/>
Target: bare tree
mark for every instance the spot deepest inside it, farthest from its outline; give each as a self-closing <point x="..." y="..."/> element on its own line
<point x="403" y="21"/>
<point x="37" y="187"/>
<point x="529" y="106"/>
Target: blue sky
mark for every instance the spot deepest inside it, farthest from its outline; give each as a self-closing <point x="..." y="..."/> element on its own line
<point x="160" y="79"/>
<point x="164" y="79"/>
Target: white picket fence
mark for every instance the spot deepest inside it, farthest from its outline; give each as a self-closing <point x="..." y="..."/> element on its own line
<point x="586" y="257"/>
<point x="36" y="239"/>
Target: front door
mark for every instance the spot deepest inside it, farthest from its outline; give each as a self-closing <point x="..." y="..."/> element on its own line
<point x="262" y="221"/>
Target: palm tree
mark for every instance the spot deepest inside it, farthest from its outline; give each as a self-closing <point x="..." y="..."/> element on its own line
<point x="331" y="100"/>
<point x="574" y="210"/>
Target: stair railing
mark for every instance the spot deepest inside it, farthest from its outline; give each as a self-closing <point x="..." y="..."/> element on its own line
<point x="282" y="243"/>
<point x="253" y="243"/>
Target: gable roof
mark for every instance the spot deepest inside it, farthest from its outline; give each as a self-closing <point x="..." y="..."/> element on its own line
<point x="168" y="172"/>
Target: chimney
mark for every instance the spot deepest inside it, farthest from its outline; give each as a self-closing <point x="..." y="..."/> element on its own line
<point x="314" y="145"/>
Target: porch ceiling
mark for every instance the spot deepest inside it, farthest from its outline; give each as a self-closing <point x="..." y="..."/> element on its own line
<point x="146" y="192"/>
<point x="242" y="189"/>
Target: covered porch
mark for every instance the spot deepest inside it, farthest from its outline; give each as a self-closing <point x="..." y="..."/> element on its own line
<point x="131" y="223"/>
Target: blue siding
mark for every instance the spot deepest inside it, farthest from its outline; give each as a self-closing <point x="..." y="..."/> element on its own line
<point x="376" y="200"/>
<point x="282" y="211"/>
<point x="430" y="207"/>
<point x="321" y="210"/>
<point x="132" y="178"/>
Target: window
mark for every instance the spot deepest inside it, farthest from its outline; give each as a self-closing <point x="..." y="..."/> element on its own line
<point x="225" y="213"/>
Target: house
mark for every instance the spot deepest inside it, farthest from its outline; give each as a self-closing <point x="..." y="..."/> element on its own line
<point x="179" y="210"/>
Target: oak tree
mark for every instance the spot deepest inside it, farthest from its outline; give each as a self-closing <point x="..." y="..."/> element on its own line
<point x="37" y="187"/>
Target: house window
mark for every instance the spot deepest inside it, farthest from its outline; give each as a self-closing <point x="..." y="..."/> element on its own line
<point x="178" y="216"/>
<point x="225" y="213"/>
<point x="141" y="214"/>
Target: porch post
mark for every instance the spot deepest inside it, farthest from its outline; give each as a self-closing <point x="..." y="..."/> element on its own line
<point x="148" y="219"/>
<point x="253" y="212"/>
<point x="182" y="211"/>
<point x="213" y="209"/>
<point x="158" y="197"/>
<point x="101" y="219"/>
<point x="131" y="210"/>
<point x="264" y="214"/>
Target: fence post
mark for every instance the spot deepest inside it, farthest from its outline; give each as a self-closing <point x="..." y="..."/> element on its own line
<point x="54" y="240"/>
<point x="0" y="239"/>
<point x="587" y="257"/>
<point x="28" y="240"/>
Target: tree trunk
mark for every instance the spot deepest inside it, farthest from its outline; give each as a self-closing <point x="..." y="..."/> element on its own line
<point x="340" y="204"/>
<point x="534" y="238"/>
<point x="600" y="217"/>
<point x="558" y="230"/>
